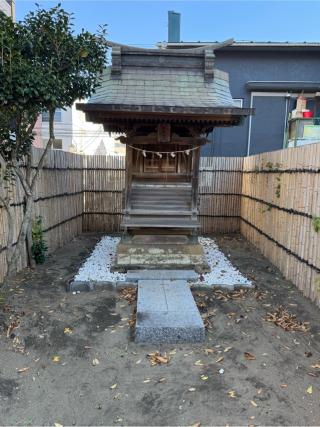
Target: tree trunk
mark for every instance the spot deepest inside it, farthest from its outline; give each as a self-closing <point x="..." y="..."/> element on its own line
<point x="27" y="219"/>
<point x="29" y="202"/>
<point x="31" y="261"/>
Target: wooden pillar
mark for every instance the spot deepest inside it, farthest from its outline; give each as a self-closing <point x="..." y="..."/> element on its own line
<point x="128" y="182"/>
<point x="195" y="181"/>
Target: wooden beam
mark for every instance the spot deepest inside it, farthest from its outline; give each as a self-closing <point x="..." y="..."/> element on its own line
<point x="195" y="182"/>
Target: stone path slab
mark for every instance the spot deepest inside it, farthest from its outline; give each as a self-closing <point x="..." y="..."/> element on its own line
<point x="161" y="275"/>
<point x="167" y="313"/>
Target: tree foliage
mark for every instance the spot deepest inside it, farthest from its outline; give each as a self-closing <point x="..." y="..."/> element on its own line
<point x="19" y="90"/>
<point x="72" y="62"/>
<point x="44" y="65"/>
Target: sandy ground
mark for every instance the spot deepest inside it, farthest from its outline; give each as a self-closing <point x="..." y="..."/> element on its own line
<point x="61" y="335"/>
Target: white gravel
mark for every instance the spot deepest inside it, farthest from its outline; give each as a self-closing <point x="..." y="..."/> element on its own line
<point x="222" y="271"/>
<point x="97" y="265"/>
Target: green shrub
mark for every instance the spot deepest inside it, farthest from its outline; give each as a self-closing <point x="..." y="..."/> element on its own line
<point x="316" y="223"/>
<point x="39" y="246"/>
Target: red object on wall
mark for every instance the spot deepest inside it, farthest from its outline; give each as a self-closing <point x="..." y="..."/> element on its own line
<point x="307" y="114"/>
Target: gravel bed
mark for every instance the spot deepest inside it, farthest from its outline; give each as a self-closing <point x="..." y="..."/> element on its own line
<point x="96" y="267"/>
<point x="222" y="271"/>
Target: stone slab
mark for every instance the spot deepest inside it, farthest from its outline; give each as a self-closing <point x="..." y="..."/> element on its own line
<point x="161" y="275"/>
<point x="165" y="239"/>
<point x="134" y="256"/>
<point x="167" y="313"/>
<point x="83" y="286"/>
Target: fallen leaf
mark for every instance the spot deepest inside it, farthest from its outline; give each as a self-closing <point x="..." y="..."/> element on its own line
<point x="162" y="380"/>
<point x="58" y="425"/>
<point x="309" y="389"/>
<point x="129" y="294"/>
<point x="232" y="393"/>
<point x="113" y="386"/>
<point x="56" y="359"/>
<point x="198" y="424"/>
<point x="227" y="349"/>
<point x="67" y="331"/>
<point x="138" y="362"/>
<point x="95" y="362"/>
<point x="198" y="363"/>
<point x="308" y="353"/>
<point x="157" y="358"/>
<point x="209" y="350"/>
<point x="253" y="403"/>
<point x="192" y="389"/>
<point x="204" y="377"/>
<point x="284" y="385"/>
<point x="220" y="359"/>
<point x="147" y="380"/>
<point x="287" y="321"/>
<point x="231" y="315"/>
<point x="316" y="366"/>
<point x="23" y="369"/>
<point x="249" y="356"/>
<point x="312" y="374"/>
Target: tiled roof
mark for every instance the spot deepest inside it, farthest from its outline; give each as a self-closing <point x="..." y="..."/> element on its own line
<point x="176" y="87"/>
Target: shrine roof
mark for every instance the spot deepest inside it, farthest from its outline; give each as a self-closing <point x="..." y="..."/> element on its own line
<point x="163" y="81"/>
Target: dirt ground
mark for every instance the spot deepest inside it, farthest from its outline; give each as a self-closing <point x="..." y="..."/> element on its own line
<point x="79" y="366"/>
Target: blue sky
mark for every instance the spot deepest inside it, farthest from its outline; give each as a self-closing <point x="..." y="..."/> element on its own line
<point x="144" y="23"/>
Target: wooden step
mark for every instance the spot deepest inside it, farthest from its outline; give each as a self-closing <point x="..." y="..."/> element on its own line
<point x="157" y="212"/>
<point x="160" y="222"/>
<point x="171" y="206"/>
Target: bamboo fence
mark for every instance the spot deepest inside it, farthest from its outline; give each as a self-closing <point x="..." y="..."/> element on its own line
<point x="280" y="199"/>
<point x="58" y="200"/>
<point x="220" y="194"/>
<point x="272" y="198"/>
<point x="104" y="180"/>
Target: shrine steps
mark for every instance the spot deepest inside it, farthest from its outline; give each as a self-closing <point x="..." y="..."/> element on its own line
<point x="160" y="222"/>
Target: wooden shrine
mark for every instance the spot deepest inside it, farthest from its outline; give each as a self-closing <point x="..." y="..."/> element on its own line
<point x="163" y="103"/>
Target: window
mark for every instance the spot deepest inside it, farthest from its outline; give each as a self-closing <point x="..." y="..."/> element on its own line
<point x="57" y="116"/>
<point x="57" y="145"/>
<point x="238" y="102"/>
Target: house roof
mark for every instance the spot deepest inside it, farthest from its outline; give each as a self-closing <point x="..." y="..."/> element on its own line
<point x="163" y="82"/>
<point x="247" y="45"/>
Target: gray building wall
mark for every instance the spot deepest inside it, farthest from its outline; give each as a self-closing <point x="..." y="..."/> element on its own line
<point x="268" y="124"/>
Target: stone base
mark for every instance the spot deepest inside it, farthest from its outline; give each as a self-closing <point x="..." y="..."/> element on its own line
<point x="159" y="252"/>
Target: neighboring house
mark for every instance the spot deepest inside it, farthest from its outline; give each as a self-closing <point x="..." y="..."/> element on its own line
<point x="74" y="133"/>
<point x="267" y="76"/>
<point x="8" y="7"/>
